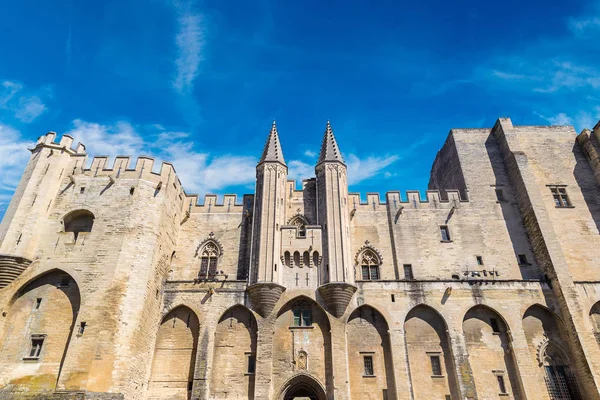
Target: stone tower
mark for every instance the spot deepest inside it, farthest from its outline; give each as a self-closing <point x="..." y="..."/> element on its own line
<point x="269" y="216"/>
<point x="333" y="215"/>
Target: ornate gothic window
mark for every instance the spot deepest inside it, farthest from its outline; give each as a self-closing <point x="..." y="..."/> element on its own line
<point x="300" y="222"/>
<point x="560" y="381"/>
<point x="209" y="257"/>
<point x="369" y="264"/>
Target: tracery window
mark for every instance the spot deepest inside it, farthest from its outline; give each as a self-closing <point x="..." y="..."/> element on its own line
<point x="300" y="223"/>
<point x="208" y="260"/>
<point x="369" y="263"/>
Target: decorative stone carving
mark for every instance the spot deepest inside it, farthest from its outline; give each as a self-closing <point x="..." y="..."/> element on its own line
<point x="264" y="296"/>
<point x="337" y="296"/>
<point x="302" y="362"/>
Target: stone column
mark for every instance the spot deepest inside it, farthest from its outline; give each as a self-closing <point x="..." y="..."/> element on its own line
<point x="462" y="366"/>
<point x="402" y="383"/>
<point x="264" y="359"/>
<point x="339" y="356"/>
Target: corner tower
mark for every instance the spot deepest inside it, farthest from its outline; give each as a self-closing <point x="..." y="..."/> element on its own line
<point x="332" y="199"/>
<point x="269" y="216"/>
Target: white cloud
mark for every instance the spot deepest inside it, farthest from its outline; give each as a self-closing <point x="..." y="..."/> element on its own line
<point x="13" y="158"/>
<point x="359" y="170"/>
<point x="21" y="103"/>
<point x="190" y="44"/>
<point x="581" y="120"/>
<point x="581" y="25"/>
<point x="299" y="170"/>
<point x="199" y="172"/>
<point x="310" y="153"/>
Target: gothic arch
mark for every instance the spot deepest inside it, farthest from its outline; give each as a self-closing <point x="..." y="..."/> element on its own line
<point x="42" y="315"/>
<point x="300" y="222"/>
<point x="367" y="247"/>
<point x="431" y="371"/>
<point x="595" y="321"/>
<point x="371" y="368"/>
<point x="368" y="262"/>
<point x="78" y="221"/>
<point x="234" y="357"/>
<point x="302" y="385"/>
<point x="302" y="325"/>
<point x="547" y="343"/>
<point x="210" y="251"/>
<point x="174" y="358"/>
<point x="488" y="342"/>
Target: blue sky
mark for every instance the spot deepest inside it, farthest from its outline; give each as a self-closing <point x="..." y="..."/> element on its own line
<point x="198" y="83"/>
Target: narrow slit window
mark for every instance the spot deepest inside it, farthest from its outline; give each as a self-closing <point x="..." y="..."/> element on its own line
<point x="479" y="260"/>
<point x="82" y="327"/>
<point x="436" y="366"/>
<point x="408" y="272"/>
<point x="501" y="384"/>
<point x="251" y="363"/>
<point x="131" y="191"/>
<point x="393" y="298"/>
<point x="445" y="232"/>
<point x="368" y="365"/>
<point x="38" y="303"/>
<point x="82" y="190"/>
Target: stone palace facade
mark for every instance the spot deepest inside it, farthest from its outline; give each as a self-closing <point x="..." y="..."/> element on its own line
<point x="116" y="284"/>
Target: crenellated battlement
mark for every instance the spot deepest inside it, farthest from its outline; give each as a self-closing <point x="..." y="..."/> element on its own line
<point x="65" y="143"/>
<point x="412" y="198"/>
<point x="213" y="203"/>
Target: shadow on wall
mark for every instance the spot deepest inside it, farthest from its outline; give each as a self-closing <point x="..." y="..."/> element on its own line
<point x="584" y="176"/>
<point x="507" y="199"/>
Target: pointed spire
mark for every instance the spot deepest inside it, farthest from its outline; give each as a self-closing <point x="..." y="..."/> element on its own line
<point x="329" y="149"/>
<point x="272" y="151"/>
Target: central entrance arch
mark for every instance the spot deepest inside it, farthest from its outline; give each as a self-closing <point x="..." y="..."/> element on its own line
<point x="302" y="386"/>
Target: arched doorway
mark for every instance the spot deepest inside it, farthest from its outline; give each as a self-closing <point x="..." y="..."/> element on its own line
<point x="302" y="386"/>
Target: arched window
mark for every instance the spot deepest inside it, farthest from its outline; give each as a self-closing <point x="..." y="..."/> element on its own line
<point x="209" y="257"/>
<point x="369" y="264"/>
<point x="296" y="259"/>
<point x="78" y="221"/>
<point x="315" y="258"/>
<point x="287" y="259"/>
<point x="306" y="259"/>
<point x="300" y="223"/>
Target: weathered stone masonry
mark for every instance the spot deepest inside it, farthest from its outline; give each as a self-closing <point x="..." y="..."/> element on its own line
<point x="116" y="284"/>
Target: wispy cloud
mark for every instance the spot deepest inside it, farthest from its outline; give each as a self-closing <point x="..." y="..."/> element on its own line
<point x="23" y="104"/>
<point x="13" y="158"/>
<point x="190" y="44"/>
<point x="580" y="120"/>
<point x="199" y="172"/>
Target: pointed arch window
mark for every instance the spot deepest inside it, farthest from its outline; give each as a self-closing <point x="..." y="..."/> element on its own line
<point x="369" y="264"/>
<point x="209" y="257"/>
<point x="300" y="223"/>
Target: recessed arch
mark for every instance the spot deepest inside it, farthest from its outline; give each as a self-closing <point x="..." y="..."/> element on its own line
<point x="42" y="315"/>
<point x="303" y="330"/>
<point x="488" y="343"/>
<point x="302" y="385"/>
<point x="548" y="349"/>
<point x="175" y="355"/>
<point x="234" y="356"/>
<point x="371" y="368"/>
<point x="432" y="372"/>
<point x="78" y="221"/>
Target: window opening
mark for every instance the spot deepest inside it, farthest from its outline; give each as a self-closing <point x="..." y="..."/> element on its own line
<point x="408" y="272"/>
<point x="37" y="341"/>
<point x="369" y="266"/>
<point x="82" y="327"/>
<point x="208" y="261"/>
<point x="302" y="314"/>
<point x="131" y="191"/>
<point x="501" y="384"/>
<point x="368" y="364"/>
<point x="82" y="189"/>
<point x="79" y="221"/>
<point x="479" y="260"/>
<point x="393" y="298"/>
<point x="523" y="259"/>
<point x="38" y="303"/>
<point x="436" y="366"/>
<point x="445" y="232"/>
<point x="251" y="363"/>
<point x="561" y="199"/>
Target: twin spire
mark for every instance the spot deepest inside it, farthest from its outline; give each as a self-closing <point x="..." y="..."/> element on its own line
<point x="329" y="148"/>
